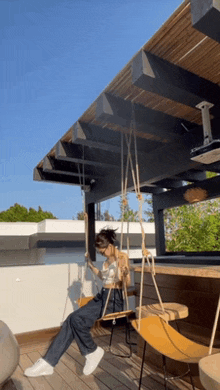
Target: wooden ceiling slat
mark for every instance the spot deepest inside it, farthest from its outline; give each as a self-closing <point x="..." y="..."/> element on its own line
<point x="201" y="65"/>
<point x="119" y="80"/>
<point x="173" y="39"/>
<point x="166" y="27"/>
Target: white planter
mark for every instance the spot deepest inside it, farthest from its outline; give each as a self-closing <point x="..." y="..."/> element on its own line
<point x="9" y="353"/>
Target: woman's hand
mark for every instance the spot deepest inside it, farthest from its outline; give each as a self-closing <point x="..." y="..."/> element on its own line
<point x="124" y="271"/>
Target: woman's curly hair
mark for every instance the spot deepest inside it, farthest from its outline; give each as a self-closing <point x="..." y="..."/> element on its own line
<point x="105" y="237"/>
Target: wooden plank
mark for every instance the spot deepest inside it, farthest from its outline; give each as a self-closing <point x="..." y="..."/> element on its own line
<point x="9" y="385"/>
<point x="113" y="371"/>
<point x="54" y="380"/>
<point x="152" y="379"/>
<point x="89" y="381"/>
<point x="64" y="376"/>
<point x="20" y="381"/>
<point x="101" y="373"/>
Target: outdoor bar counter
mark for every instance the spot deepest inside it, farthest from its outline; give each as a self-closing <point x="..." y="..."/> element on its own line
<point x="197" y="287"/>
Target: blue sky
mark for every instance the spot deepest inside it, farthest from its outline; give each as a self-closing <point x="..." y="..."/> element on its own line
<point x="56" y="57"/>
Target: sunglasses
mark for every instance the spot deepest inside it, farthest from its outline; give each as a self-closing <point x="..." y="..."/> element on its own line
<point x="101" y="251"/>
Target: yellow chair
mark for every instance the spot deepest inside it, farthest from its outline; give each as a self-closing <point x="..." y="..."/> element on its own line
<point x="170" y="343"/>
<point x="156" y="331"/>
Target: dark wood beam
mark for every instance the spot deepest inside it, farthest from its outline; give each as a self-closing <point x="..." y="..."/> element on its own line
<point x="215" y="167"/>
<point x="206" y="17"/>
<point x="172" y="160"/>
<point x="169" y="183"/>
<point x="175" y="198"/>
<point x="108" y="140"/>
<point x="159" y="228"/>
<point x="192" y="176"/>
<point x="151" y="190"/>
<point x="96" y="137"/>
<point x="51" y="165"/>
<point x="154" y="74"/>
<point x="71" y="152"/>
<point x="55" y="178"/>
<point x="152" y="124"/>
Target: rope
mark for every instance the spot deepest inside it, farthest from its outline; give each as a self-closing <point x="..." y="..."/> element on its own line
<point x="145" y="252"/>
<point x="67" y="293"/>
<point x="86" y="225"/>
<point x="214" y="326"/>
<point x="122" y="189"/>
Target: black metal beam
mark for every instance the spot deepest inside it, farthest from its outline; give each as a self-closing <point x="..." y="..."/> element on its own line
<point x="154" y="74"/>
<point x="175" y="198"/>
<point x="206" y="17"/>
<point x="81" y="154"/>
<point x="90" y="209"/>
<point x="151" y="124"/>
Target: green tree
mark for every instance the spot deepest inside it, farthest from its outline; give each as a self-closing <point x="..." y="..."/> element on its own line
<point x="129" y="214"/>
<point x="18" y="213"/>
<point x="107" y="217"/>
<point x="193" y="228"/>
<point x="149" y="212"/>
<point x="104" y="216"/>
<point x="80" y="216"/>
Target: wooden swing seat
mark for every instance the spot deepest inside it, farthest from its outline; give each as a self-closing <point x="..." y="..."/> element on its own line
<point x="111" y="316"/>
<point x="173" y="311"/>
<point x="167" y="341"/>
<point x="209" y="372"/>
<point x="115" y="316"/>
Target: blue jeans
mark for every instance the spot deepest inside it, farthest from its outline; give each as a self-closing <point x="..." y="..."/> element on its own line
<point x="78" y="324"/>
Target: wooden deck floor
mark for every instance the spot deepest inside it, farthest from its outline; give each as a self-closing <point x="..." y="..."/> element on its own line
<point x="112" y="373"/>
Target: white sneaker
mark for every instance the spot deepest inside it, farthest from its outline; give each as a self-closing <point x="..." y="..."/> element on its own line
<point x="92" y="361"/>
<point x="41" y="367"/>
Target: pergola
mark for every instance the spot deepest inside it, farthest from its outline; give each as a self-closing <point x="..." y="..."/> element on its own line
<point x="161" y="87"/>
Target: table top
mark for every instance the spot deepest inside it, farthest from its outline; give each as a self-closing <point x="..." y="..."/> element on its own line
<point x="203" y="271"/>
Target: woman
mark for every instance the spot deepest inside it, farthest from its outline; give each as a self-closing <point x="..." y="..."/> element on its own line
<point x="115" y="272"/>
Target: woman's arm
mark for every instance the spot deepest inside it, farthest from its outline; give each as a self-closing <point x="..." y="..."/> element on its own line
<point x="95" y="270"/>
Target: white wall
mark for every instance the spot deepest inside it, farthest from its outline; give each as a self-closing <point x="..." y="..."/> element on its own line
<point x="40" y="297"/>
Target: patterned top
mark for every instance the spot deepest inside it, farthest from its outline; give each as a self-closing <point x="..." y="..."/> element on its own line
<point x="110" y="274"/>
